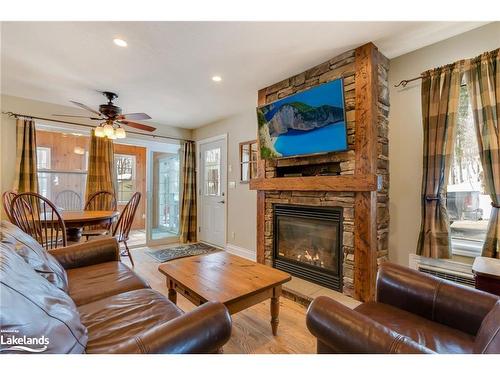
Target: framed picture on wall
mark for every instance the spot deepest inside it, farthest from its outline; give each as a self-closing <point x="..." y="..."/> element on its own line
<point x="248" y="161"/>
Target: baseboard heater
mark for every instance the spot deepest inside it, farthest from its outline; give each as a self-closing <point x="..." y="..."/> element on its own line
<point x="459" y="273"/>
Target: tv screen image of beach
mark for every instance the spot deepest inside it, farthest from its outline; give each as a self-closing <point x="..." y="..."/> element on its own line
<point x="309" y="122"/>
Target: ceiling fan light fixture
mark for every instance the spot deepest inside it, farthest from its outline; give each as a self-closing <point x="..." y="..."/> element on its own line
<point x="112" y="136"/>
<point x="120" y="133"/>
<point x="120" y="42"/>
<point x="108" y="130"/>
<point x="99" y="132"/>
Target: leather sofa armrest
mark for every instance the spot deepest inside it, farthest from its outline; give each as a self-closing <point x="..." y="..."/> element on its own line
<point x="203" y="330"/>
<point x="346" y="331"/>
<point x="87" y="253"/>
<point x="439" y="300"/>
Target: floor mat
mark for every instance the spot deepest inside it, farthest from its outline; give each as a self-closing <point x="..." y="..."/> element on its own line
<point x="164" y="255"/>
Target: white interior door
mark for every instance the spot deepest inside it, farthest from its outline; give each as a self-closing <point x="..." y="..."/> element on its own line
<point x="212" y="191"/>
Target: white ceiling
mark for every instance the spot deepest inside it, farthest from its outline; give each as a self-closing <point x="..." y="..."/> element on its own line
<point x="167" y="67"/>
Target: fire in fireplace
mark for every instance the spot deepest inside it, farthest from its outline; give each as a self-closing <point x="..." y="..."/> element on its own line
<point x="308" y="243"/>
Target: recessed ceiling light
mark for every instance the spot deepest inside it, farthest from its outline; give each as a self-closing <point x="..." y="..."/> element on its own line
<point x="216" y="78"/>
<point x="120" y="42"/>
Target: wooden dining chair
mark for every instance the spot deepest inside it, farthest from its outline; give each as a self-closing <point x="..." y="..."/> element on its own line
<point x="69" y="200"/>
<point x="38" y="217"/>
<point x="122" y="228"/>
<point x="103" y="200"/>
<point x="7" y="198"/>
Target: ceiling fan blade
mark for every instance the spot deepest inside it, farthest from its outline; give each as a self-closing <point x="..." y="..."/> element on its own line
<point x="85" y="107"/>
<point x="135" y="116"/>
<point x="91" y="118"/>
<point x="136" y="125"/>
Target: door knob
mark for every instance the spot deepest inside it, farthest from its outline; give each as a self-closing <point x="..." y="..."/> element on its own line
<point x="222" y="201"/>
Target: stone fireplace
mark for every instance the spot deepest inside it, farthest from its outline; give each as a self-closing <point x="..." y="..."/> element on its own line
<point x="353" y="184"/>
<point x="308" y="243"/>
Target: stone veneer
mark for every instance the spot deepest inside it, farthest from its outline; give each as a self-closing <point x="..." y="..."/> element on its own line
<point x="341" y="66"/>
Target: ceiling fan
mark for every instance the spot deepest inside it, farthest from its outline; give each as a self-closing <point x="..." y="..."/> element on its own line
<point x="112" y="119"/>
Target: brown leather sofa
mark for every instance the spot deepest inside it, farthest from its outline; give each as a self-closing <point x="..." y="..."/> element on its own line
<point x="83" y="299"/>
<point x="413" y="313"/>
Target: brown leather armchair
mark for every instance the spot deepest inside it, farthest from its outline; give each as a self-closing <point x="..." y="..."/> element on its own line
<point x="413" y="313"/>
<point x="83" y="299"/>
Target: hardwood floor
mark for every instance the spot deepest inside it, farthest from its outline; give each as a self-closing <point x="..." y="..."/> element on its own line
<point x="251" y="327"/>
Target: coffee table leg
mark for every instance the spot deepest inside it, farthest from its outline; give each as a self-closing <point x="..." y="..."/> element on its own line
<point x="172" y="294"/>
<point x="275" y="309"/>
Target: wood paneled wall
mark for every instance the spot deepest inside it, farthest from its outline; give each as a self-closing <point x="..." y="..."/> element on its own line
<point x="64" y="158"/>
<point x="140" y="181"/>
<point x="63" y="147"/>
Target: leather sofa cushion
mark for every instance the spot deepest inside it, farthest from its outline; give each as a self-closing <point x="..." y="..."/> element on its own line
<point x="34" y="254"/>
<point x="33" y="307"/>
<point x="435" y="336"/>
<point x="432" y="298"/>
<point x="91" y="283"/>
<point x="488" y="337"/>
<point x="115" y="323"/>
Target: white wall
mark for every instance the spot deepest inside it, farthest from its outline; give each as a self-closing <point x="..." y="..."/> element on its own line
<point x="405" y="130"/>
<point x="241" y="201"/>
<point x="45" y="110"/>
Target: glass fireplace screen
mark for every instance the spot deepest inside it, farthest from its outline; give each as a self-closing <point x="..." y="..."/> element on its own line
<point x="308" y="240"/>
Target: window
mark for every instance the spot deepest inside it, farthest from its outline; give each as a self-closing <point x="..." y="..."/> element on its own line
<point x="467" y="202"/>
<point x="212" y="172"/>
<point x="43" y="163"/>
<point x="125" y="173"/>
<point x="43" y="157"/>
<point x="248" y="161"/>
<point x="168" y="193"/>
<point x="62" y="168"/>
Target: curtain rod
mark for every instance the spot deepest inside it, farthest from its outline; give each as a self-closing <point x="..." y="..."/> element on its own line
<point x="17" y="115"/>
<point x="404" y="82"/>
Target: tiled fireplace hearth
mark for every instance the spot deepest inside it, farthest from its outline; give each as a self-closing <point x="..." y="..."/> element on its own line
<point x="324" y="218"/>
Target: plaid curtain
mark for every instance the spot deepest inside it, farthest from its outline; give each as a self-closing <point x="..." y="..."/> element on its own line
<point x="483" y="83"/>
<point x="440" y="94"/>
<point x="26" y="164"/>
<point x="188" y="204"/>
<point x="101" y="173"/>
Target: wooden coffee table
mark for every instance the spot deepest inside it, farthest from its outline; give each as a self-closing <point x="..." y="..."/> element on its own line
<point x="236" y="282"/>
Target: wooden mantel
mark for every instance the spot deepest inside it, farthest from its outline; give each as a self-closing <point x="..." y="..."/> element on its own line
<point x="316" y="183"/>
<point x="363" y="181"/>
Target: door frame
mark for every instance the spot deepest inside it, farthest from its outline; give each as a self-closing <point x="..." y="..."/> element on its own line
<point x="151" y="147"/>
<point x="220" y="137"/>
<point x="149" y="218"/>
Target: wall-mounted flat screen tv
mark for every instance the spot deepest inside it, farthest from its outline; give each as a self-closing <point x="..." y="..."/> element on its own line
<point x="309" y="122"/>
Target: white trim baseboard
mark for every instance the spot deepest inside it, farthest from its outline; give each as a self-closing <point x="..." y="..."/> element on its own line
<point x="241" y="251"/>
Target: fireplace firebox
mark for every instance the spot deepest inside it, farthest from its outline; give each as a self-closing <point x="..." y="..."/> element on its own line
<point x="308" y="243"/>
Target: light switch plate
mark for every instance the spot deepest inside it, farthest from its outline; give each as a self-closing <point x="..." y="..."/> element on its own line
<point x="232" y="184"/>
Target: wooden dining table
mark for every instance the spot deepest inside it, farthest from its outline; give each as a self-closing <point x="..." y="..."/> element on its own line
<point x="76" y="220"/>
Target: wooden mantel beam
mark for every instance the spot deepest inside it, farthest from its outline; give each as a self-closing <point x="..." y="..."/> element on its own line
<point x="316" y="183"/>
